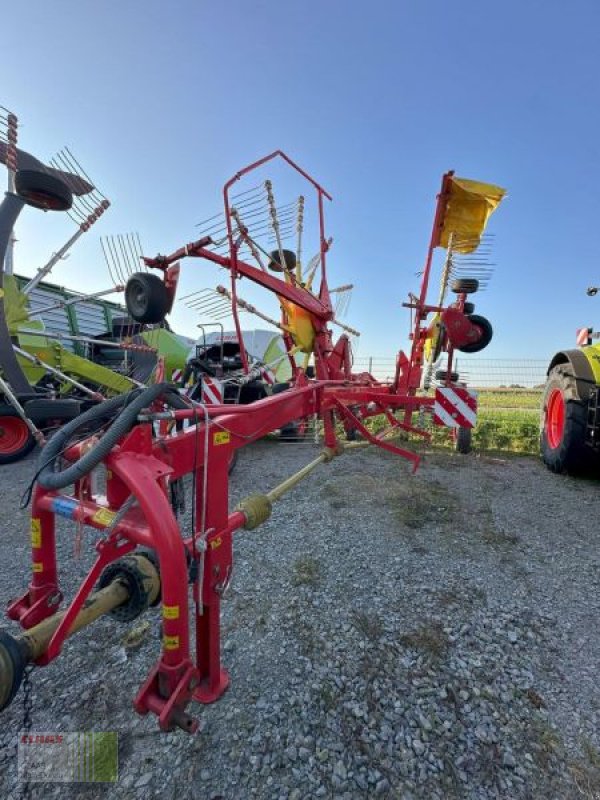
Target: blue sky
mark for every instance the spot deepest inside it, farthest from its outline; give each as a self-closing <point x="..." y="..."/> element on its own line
<point x="162" y="102"/>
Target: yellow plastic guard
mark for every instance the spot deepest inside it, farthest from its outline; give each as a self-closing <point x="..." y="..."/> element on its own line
<point x="467" y="211"/>
<point x="300" y="325"/>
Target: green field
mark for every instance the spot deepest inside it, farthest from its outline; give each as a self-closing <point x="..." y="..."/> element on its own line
<point x="508" y="420"/>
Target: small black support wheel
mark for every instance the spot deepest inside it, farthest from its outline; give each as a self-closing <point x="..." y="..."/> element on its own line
<point x="16" y="440"/>
<point x="469" y="308"/>
<point x="289" y="258"/>
<point x="43" y="190"/>
<point x="563" y="425"/>
<point x="146" y="298"/>
<point x="464" y="285"/>
<point x="487" y="332"/>
<point x="442" y="374"/>
<point x="464" y="440"/>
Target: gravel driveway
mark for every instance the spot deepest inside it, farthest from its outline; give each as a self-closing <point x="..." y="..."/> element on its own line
<point x="387" y="635"/>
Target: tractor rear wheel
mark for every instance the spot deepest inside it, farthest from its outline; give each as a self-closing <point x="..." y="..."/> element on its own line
<point x="563" y="423"/>
<point x="16" y="440"/>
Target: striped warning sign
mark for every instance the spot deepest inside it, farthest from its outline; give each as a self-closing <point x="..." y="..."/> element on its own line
<point x="176" y="375"/>
<point x="212" y="391"/>
<point x="584" y="336"/>
<point x="455" y="407"/>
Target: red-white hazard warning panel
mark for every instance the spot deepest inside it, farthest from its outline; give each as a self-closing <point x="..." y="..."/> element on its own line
<point x="212" y="391"/>
<point x="455" y="407"/>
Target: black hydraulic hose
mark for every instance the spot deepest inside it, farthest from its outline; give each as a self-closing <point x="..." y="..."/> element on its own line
<point x="134" y="402"/>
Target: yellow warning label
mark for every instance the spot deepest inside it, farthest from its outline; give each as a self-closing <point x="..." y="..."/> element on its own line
<point x="36" y="532"/>
<point x="38" y="566"/>
<point x="171" y="642"/>
<point x="103" y="516"/>
<point x="171" y="612"/>
<point x="216" y="542"/>
<point x="221" y="437"/>
<point x="109" y="474"/>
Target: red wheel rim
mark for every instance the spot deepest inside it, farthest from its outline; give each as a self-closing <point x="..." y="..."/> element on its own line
<point x="13" y="434"/>
<point x="555" y="418"/>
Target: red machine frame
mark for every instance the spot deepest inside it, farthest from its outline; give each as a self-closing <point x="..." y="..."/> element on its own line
<point x="144" y="464"/>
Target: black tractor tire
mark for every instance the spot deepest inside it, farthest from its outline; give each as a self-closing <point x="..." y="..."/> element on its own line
<point x="277" y="388"/>
<point x="464" y="285"/>
<point x="275" y="264"/>
<point x="42" y="190"/>
<point x="487" y="333"/>
<point x="146" y="298"/>
<point x="441" y="375"/>
<point x="16" y="440"/>
<point x="463" y="440"/>
<point x="251" y="392"/>
<point x="291" y="433"/>
<point x="40" y="411"/>
<point x="563" y="446"/>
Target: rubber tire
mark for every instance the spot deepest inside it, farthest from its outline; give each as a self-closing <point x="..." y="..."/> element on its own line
<point x="486" y="338"/>
<point x="572" y="455"/>
<point x="464" y="285"/>
<point x="146" y="298"/>
<point x="28" y="445"/>
<point x="441" y="374"/>
<point x="42" y="190"/>
<point x="43" y="410"/>
<point x="251" y="392"/>
<point x="464" y="438"/>
<point x="289" y="257"/>
<point x="290" y="433"/>
<point x="277" y="388"/>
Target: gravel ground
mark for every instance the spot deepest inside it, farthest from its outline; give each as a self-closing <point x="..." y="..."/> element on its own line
<point x="387" y="635"/>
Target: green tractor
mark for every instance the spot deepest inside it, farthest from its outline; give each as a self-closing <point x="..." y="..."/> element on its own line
<point x="570" y="414"/>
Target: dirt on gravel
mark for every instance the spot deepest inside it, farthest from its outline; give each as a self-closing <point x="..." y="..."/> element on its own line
<point x="387" y="635"/>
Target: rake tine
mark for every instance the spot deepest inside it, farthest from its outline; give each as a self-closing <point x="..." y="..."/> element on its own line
<point x="60" y="162"/>
<point x="248" y="191"/>
<point x="131" y="246"/>
<point x="275" y="224"/>
<point x="116" y="260"/>
<point x="114" y="282"/>
<point x="84" y="173"/>
<point x="127" y="265"/>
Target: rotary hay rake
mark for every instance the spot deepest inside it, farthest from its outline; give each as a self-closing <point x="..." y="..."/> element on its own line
<point x="142" y="442"/>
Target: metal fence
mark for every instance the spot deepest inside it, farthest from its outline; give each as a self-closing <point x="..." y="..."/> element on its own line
<point x="483" y="373"/>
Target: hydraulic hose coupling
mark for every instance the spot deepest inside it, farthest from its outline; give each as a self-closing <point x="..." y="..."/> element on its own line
<point x="256" y="508"/>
